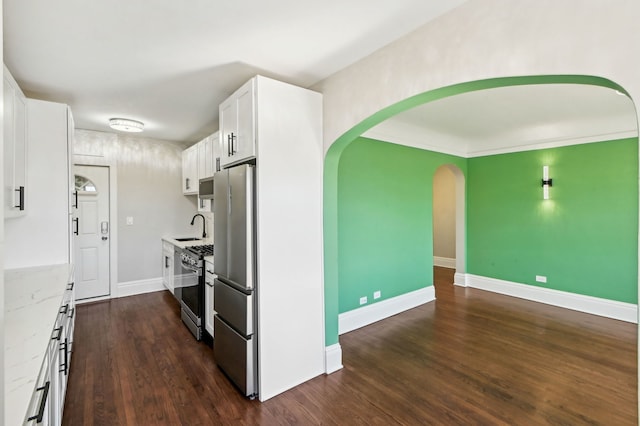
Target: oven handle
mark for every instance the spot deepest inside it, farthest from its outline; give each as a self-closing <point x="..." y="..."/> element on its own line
<point x="191" y="268"/>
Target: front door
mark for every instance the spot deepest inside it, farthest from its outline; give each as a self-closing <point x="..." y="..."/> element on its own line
<point x="91" y="228"/>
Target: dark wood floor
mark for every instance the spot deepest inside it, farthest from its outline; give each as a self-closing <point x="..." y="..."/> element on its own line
<point x="471" y="357"/>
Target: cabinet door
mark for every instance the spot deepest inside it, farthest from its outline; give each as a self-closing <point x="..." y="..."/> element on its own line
<point x="216" y="151"/>
<point x="244" y="146"/>
<point x="208" y="157"/>
<point x="167" y="266"/>
<point x="8" y="95"/>
<point x="15" y="147"/>
<point x="190" y="170"/>
<point x="228" y="129"/>
<point x="208" y="298"/>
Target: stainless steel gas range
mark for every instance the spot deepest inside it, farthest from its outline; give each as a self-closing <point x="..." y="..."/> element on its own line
<point x="189" y="285"/>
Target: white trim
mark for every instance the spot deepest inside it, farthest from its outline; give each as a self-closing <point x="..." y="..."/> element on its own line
<point x="554" y="143"/>
<point x="131" y="288"/>
<point x="460" y="279"/>
<point x="92" y="299"/>
<point x="405" y="136"/>
<point x="593" y="305"/>
<point x="332" y="358"/>
<point x="82" y="160"/>
<point x="360" y="317"/>
<point x="445" y="262"/>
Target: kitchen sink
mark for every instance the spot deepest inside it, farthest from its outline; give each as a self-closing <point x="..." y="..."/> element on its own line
<point x="188" y="239"/>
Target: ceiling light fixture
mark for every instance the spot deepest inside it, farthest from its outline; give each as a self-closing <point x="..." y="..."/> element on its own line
<point x="126" y="125"/>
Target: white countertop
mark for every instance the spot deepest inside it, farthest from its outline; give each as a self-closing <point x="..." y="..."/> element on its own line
<point x="183" y="244"/>
<point x="32" y="302"/>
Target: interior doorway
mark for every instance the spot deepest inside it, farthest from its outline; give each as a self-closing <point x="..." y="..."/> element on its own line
<point x="449" y="221"/>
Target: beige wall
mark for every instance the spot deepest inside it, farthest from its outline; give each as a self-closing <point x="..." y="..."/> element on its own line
<point x="444" y="214"/>
<point x="149" y="173"/>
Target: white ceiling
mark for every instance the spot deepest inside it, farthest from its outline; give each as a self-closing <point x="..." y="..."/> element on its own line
<point x="513" y="118"/>
<point x="170" y="63"/>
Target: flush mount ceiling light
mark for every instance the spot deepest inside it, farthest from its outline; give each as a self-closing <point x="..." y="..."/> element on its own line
<point x="126" y="125"/>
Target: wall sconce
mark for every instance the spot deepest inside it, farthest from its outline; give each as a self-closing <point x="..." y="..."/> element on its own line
<point x="546" y="182"/>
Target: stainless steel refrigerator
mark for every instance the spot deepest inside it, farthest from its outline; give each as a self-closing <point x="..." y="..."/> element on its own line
<point x="235" y="346"/>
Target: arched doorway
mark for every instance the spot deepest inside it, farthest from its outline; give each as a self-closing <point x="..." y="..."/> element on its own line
<point x="449" y="223"/>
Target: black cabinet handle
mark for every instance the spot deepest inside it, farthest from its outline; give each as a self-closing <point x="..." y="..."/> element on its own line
<point x="229" y="144"/>
<point x="234" y="149"/>
<point x="72" y="313"/>
<point x="166" y="261"/>
<point x="75" y="194"/>
<point x="59" y="331"/>
<point x="43" y="403"/>
<point x="77" y="222"/>
<point x="218" y="164"/>
<point x="70" y="286"/>
<point x="64" y="309"/>
<point x="20" y="191"/>
<point x="63" y="366"/>
<point x="187" y="186"/>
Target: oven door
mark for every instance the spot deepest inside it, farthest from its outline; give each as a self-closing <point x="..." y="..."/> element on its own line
<point x="188" y="285"/>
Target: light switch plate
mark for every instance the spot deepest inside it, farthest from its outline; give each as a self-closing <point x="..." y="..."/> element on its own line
<point x="129" y="220"/>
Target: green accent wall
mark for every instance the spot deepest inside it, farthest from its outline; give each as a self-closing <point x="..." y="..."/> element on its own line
<point x="584" y="239"/>
<point x="385" y="235"/>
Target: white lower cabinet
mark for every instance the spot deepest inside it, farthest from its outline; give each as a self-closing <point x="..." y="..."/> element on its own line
<point x="208" y="297"/>
<point x="167" y="265"/>
<point x="47" y="402"/>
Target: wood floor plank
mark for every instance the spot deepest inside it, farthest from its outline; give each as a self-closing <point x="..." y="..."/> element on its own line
<point x="471" y="357"/>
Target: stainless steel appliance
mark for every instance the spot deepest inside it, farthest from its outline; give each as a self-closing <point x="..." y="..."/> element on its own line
<point x="205" y="188"/>
<point x="189" y="285"/>
<point x="235" y="324"/>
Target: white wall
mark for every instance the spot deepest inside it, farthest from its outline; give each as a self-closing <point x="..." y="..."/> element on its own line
<point x="444" y="214"/>
<point x="149" y="173"/>
<point x="1" y="232"/>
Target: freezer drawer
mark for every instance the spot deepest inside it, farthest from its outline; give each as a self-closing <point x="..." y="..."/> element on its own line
<point x="236" y="356"/>
<point x="234" y="306"/>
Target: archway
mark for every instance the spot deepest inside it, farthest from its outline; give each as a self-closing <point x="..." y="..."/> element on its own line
<point x="332" y="161"/>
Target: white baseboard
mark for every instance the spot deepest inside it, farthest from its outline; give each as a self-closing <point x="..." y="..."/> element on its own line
<point x="332" y="358"/>
<point x="592" y="305"/>
<point x="360" y="317"/>
<point x="460" y="279"/>
<point x="445" y="262"/>
<point x="131" y="288"/>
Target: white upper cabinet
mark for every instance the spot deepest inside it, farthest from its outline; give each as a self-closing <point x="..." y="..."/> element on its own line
<point x="15" y="147"/>
<point x="237" y="126"/>
<point x="205" y="157"/>
<point x="190" y="170"/>
<point x="200" y="161"/>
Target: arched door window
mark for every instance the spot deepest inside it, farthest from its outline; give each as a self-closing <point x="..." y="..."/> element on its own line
<point x="85" y="185"/>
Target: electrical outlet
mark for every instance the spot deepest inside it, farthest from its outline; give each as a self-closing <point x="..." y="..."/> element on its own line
<point x="377" y="294"/>
<point x="363" y="300"/>
<point x="129" y="220"/>
<point x="541" y="278"/>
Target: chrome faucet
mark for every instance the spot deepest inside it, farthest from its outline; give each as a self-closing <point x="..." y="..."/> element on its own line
<point x="204" y="226"/>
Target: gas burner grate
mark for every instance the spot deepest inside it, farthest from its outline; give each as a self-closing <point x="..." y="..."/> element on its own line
<point x="204" y="250"/>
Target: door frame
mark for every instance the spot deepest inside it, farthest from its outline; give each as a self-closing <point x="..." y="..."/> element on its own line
<point x="113" y="220"/>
